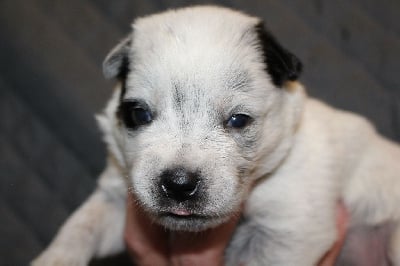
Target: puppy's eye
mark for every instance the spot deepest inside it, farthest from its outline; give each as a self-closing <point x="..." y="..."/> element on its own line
<point x="140" y="116"/>
<point x="238" y="121"/>
<point x="135" y="114"/>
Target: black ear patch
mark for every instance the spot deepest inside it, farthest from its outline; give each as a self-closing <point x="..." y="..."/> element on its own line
<point x="281" y="65"/>
<point x="116" y="64"/>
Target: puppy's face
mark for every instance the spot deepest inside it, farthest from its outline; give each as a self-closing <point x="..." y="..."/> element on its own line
<point x="200" y="114"/>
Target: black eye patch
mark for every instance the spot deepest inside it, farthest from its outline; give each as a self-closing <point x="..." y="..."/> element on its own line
<point x="135" y="114"/>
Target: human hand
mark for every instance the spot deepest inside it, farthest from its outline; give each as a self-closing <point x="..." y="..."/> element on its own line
<point x="202" y="248"/>
<point x="342" y="219"/>
<point x="147" y="242"/>
<point x="150" y="244"/>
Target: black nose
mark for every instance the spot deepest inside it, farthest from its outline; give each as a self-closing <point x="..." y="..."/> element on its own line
<point x="179" y="184"/>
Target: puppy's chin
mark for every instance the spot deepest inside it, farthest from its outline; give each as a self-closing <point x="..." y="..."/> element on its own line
<point x="189" y="223"/>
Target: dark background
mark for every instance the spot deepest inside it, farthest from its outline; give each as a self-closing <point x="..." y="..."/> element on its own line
<point x="51" y="85"/>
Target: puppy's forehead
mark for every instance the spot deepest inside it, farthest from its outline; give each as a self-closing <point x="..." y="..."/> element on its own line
<point x="205" y="47"/>
<point x="199" y="26"/>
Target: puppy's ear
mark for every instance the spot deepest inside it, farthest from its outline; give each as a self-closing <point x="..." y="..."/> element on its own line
<point x="281" y="65"/>
<point x="116" y="64"/>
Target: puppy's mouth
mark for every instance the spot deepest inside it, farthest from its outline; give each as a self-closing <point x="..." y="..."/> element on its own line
<point x="181" y="212"/>
<point x="185" y="220"/>
<point x="177" y="217"/>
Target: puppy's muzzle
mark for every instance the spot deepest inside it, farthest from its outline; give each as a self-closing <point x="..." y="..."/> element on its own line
<point x="179" y="184"/>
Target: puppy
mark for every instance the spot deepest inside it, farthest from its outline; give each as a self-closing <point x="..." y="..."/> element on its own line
<point x="208" y="116"/>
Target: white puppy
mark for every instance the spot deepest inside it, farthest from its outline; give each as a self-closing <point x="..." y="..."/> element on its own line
<point x="207" y="115"/>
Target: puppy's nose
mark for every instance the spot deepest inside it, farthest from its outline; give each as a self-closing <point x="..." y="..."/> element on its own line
<point x="179" y="184"/>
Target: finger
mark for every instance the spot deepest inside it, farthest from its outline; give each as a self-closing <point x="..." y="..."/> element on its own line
<point x="146" y="241"/>
<point x="342" y="218"/>
<point x="202" y="248"/>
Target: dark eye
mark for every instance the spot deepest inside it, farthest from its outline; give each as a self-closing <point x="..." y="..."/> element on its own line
<point x="238" y="121"/>
<point x="140" y="116"/>
<point x="135" y="114"/>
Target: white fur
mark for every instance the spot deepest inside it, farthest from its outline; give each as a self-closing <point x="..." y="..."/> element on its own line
<point x="300" y="156"/>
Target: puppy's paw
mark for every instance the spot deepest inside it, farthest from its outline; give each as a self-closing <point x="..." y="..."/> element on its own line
<point x="58" y="257"/>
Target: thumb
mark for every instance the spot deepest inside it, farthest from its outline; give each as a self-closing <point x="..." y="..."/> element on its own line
<point x="342" y="218"/>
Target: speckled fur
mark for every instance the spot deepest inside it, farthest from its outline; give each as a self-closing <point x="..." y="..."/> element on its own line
<point x="195" y="67"/>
